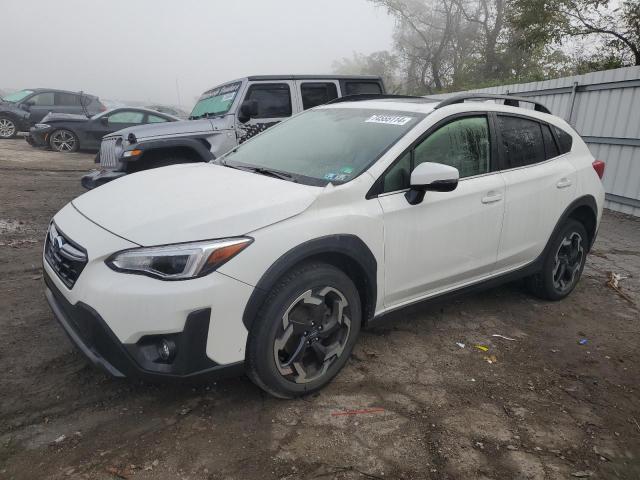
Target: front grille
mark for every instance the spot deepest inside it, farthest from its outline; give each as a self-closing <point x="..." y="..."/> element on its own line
<point x="109" y="152"/>
<point x="65" y="257"/>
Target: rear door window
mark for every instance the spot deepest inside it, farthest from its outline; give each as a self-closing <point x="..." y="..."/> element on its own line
<point x="564" y="139"/>
<point x="360" y="88"/>
<point x="155" y="119"/>
<point x="67" y="99"/>
<point x="522" y="142"/>
<point x="316" y="93"/>
<point x="274" y="99"/>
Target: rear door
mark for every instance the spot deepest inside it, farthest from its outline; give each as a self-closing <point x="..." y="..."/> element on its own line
<point x="316" y="92"/>
<point x="540" y="185"/>
<point x="276" y="102"/>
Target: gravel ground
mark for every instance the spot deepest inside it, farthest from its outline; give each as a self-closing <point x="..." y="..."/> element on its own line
<point x="410" y="404"/>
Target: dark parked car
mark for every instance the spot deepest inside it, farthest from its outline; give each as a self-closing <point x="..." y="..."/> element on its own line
<point x="20" y="110"/>
<point x="67" y="133"/>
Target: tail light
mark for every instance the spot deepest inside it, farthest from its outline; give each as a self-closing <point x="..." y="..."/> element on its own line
<point x="598" y="166"/>
<point x="103" y="108"/>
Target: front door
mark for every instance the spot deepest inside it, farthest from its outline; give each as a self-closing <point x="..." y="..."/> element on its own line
<point x="451" y="238"/>
<point x="41" y="105"/>
<point x="275" y="103"/>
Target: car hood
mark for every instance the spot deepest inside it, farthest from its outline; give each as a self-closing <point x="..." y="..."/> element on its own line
<point x="183" y="203"/>
<point x="66" y="117"/>
<point x="184" y="127"/>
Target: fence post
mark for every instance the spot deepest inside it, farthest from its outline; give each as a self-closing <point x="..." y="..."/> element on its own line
<point x="572" y="104"/>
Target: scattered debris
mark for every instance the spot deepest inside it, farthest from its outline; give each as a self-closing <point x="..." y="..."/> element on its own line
<point x="358" y="412"/>
<point x="512" y="447"/>
<point x="460" y="344"/>
<point x="583" y="341"/>
<point x="502" y="336"/>
<point x="490" y="359"/>
<point x="582" y="474"/>
<point x="482" y="348"/>
<point x="60" y="439"/>
<point x="613" y="282"/>
<point x="123" y="473"/>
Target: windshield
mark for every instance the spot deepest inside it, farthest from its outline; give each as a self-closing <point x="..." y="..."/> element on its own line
<point x="17" y="96"/>
<point x="325" y="145"/>
<point x="216" y="101"/>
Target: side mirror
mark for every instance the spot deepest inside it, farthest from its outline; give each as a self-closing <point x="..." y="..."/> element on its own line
<point x="104" y="120"/>
<point x="434" y="177"/>
<point x="26" y="106"/>
<point x="248" y="109"/>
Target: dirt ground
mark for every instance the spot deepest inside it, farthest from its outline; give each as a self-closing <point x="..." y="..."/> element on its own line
<point x="411" y="403"/>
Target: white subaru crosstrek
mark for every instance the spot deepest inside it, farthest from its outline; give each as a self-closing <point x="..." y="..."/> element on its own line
<point x="270" y="259"/>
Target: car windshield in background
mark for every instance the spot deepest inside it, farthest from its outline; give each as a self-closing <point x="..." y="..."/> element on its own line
<point x="325" y="145"/>
<point x="17" y="96"/>
<point x="216" y="101"/>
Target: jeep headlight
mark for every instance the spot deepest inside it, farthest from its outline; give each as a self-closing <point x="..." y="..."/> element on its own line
<point x="181" y="261"/>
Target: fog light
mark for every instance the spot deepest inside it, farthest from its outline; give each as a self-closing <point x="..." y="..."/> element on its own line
<point x="166" y="350"/>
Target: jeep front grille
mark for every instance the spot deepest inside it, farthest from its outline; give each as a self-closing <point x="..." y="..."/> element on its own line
<point x="65" y="257"/>
<point x="109" y="152"/>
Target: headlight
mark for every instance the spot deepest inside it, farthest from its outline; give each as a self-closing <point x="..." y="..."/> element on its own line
<point x="42" y="126"/>
<point x="178" y="262"/>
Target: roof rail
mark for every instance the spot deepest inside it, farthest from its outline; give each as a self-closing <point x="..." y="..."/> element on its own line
<point x="509" y="100"/>
<point x="373" y="96"/>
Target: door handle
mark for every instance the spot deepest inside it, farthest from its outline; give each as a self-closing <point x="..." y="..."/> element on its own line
<point x="492" y="197"/>
<point x="563" y="183"/>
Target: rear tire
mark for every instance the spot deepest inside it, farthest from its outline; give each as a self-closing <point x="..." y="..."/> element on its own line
<point x="64" y="141"/>
<point x="305" y="331"/>
<point x="8" y="127"/>
<point x="563" y="263"/>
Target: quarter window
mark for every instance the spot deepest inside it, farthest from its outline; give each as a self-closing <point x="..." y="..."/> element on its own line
<point x="359" y="88"/>
<point x="314" y="94"/>
<point x="463" y="144"/>
<point x="274" y="99"/>
<point x="521" y="141"/>
<point x="564" y="139"/>
<point x="155" y="119"/>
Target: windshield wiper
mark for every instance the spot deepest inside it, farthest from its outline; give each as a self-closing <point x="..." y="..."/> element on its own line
<point x="262" y="171"/>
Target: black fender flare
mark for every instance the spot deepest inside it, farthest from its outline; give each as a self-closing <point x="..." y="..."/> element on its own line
<point x="585" y="200"/>
<point x="343" y="245"/>
<point x="196" y="144"/>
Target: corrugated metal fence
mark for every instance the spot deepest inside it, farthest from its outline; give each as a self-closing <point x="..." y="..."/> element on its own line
<point x="603" y="107"/>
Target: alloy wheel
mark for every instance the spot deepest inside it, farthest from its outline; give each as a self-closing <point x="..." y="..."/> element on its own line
<point x="568" y="261"/>
<point x="7" y="128"/>
<point x="63" y="141"/>
<point x="313" y="334"/>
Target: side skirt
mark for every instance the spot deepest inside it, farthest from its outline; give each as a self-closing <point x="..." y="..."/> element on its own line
<point x="518" y="274"/>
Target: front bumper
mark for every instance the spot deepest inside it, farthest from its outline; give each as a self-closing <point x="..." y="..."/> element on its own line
<point x="95" y="178"/>
<point x="89" y="332"/>
<point x="37" y="138"/>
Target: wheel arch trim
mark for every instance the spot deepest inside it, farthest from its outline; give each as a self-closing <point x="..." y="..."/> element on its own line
<point x="346" y="246"/>
<point x="583" y="201"/>
<point x="195" y="144"/>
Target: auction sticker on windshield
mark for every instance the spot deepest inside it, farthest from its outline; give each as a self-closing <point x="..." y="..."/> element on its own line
<point x="389" y="119"/>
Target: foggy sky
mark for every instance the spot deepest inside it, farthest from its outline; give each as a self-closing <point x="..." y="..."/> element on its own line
<point x="136" y="49"/>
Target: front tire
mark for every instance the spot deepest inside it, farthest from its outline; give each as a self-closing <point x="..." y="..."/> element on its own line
<point x="64" y="141"/>
<point x="304" y="332"/>
<point x="8" y="127"/>
<point x="563" y="263"/>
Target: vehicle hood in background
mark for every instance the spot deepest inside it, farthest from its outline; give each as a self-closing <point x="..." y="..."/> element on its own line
<point x="184" y="127"/>
<point x="189" y="202"/>
<point x="66" y="117"/>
